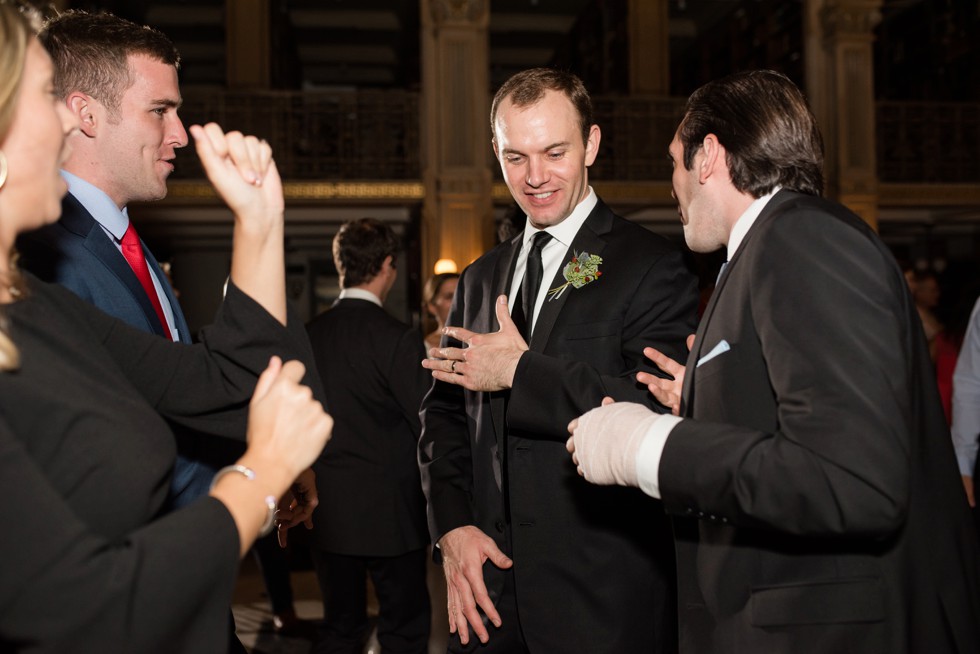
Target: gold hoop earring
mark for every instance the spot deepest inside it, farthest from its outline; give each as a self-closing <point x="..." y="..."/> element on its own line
<point x="3" y="169"/>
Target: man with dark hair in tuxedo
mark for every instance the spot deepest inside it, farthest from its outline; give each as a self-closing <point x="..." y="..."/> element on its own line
<point x="808" y="469"/>
<point x="371" y="518"/>
<point x="553" y="564"/>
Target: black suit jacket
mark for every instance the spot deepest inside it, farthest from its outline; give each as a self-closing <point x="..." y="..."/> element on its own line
<point x="817" y="500"/>
<point x="591" y="564"/>
<point x="371" y="501"/>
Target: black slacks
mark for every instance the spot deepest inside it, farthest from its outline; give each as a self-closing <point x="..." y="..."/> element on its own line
<point x="405" y="613"/>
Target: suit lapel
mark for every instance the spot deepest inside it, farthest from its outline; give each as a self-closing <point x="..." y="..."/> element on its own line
<point x="183" y="331"/>
<point x="503" y="276"/>
<point x="587" y="239"/>
<point x="687" y="398"/>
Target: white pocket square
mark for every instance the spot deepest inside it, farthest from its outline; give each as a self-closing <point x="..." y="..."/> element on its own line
<point x="717" y="350"/>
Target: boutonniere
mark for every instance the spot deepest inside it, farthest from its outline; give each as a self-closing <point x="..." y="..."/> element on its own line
<point x="581" y="270"/>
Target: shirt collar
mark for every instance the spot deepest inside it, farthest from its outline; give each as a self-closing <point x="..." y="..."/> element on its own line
<point x="746" y="220"/>
<point x="565" y="231"/>
<point x="96" y="202"/>
<point x="359" y="294"/>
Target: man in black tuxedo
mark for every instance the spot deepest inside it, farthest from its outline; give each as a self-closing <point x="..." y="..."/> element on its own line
<point x="371" y="518"/>
<point x="809" y="472"/>
<point x="556" y="565"/>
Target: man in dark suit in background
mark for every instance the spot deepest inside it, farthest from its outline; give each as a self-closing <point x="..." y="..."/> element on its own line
<point x="554" y="564"/>
<point x="809" y="471"/>
<point x="120" y="80"/>
<point x="371" y="518"/>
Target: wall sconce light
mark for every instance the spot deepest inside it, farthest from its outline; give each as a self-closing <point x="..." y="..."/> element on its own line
<point x="444" y="266"/>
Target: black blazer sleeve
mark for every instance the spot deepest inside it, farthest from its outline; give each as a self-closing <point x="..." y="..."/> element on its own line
<point x="445" y="458"/>
<point x="162" y="588"/>
<point x="206" y="386"/>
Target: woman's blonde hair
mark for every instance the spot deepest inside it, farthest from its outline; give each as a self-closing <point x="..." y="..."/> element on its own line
<point x="18" y="24"/>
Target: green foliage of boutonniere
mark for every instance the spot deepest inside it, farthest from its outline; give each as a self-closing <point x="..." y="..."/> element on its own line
<point x="581" y="270"/>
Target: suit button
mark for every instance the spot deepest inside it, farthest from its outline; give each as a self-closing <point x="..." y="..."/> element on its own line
<point x="500" y="526"/>
<point x="700" y="514"/>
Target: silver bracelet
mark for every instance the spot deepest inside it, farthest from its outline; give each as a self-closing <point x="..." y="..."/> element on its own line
<point x="270" y="500"/>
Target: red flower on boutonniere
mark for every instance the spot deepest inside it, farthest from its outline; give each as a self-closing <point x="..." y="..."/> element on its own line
<point x="581" y="270"/>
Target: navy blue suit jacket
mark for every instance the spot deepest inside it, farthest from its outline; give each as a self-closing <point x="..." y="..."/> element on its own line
<point x="77" y="253"/>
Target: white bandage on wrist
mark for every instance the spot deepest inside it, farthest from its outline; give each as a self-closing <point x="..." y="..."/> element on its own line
<point x="608" y="439"/>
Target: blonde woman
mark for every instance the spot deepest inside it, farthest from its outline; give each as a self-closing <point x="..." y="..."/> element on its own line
<point x="85" y="452"/>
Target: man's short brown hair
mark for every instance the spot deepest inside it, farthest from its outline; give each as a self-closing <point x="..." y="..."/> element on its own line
<point x="360" y="249"/>
<point x="527" y="87"/>
<point x="91" y="53"/>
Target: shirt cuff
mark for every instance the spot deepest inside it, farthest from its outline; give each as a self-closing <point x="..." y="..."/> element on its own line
<point x="966" y="459"/>
<point x="648" y="456"/>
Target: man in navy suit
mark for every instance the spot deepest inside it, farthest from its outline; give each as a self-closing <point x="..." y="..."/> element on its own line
<point x="128" y="134"/>
<point x="120" y="80"/>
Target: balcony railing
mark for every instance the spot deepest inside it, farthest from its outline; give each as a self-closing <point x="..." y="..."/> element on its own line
<point x="928" y="142"/>
<point x="318" y="135"/>
<point x="374" y="135"/>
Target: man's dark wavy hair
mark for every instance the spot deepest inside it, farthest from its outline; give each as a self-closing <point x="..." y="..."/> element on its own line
<point x="766" y="127"/>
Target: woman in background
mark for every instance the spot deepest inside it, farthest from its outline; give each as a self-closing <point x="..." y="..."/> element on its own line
<point x="88" y="563"/>
<point x="437" y="298"/>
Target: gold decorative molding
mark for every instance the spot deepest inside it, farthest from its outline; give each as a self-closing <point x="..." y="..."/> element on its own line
<point x="850" y="18"/>
<point x="182" y="192"/>
<point x="500" y="193"/>
<point x="468" y="11"/>
<point x="354" y="191"/>
<point x="928" y="195"/>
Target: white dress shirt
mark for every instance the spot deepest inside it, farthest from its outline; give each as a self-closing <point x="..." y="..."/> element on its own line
<point x="552" y="254"/>
<point x="359" y="294"/>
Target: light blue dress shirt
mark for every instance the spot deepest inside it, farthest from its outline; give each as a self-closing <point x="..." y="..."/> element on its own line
<point x="966" y="396"/>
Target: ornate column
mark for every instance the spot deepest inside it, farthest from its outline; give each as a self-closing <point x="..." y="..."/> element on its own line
<point x="247" y="40"/>
<point x="455" y="114"/>
<point x="840" y="85"/>
<point x="649" y="44"/>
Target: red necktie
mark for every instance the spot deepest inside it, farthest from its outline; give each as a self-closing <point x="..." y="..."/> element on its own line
<point x="132" y="249"/>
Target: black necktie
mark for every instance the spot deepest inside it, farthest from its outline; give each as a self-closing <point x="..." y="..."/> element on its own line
<point x="533" y="273"/>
